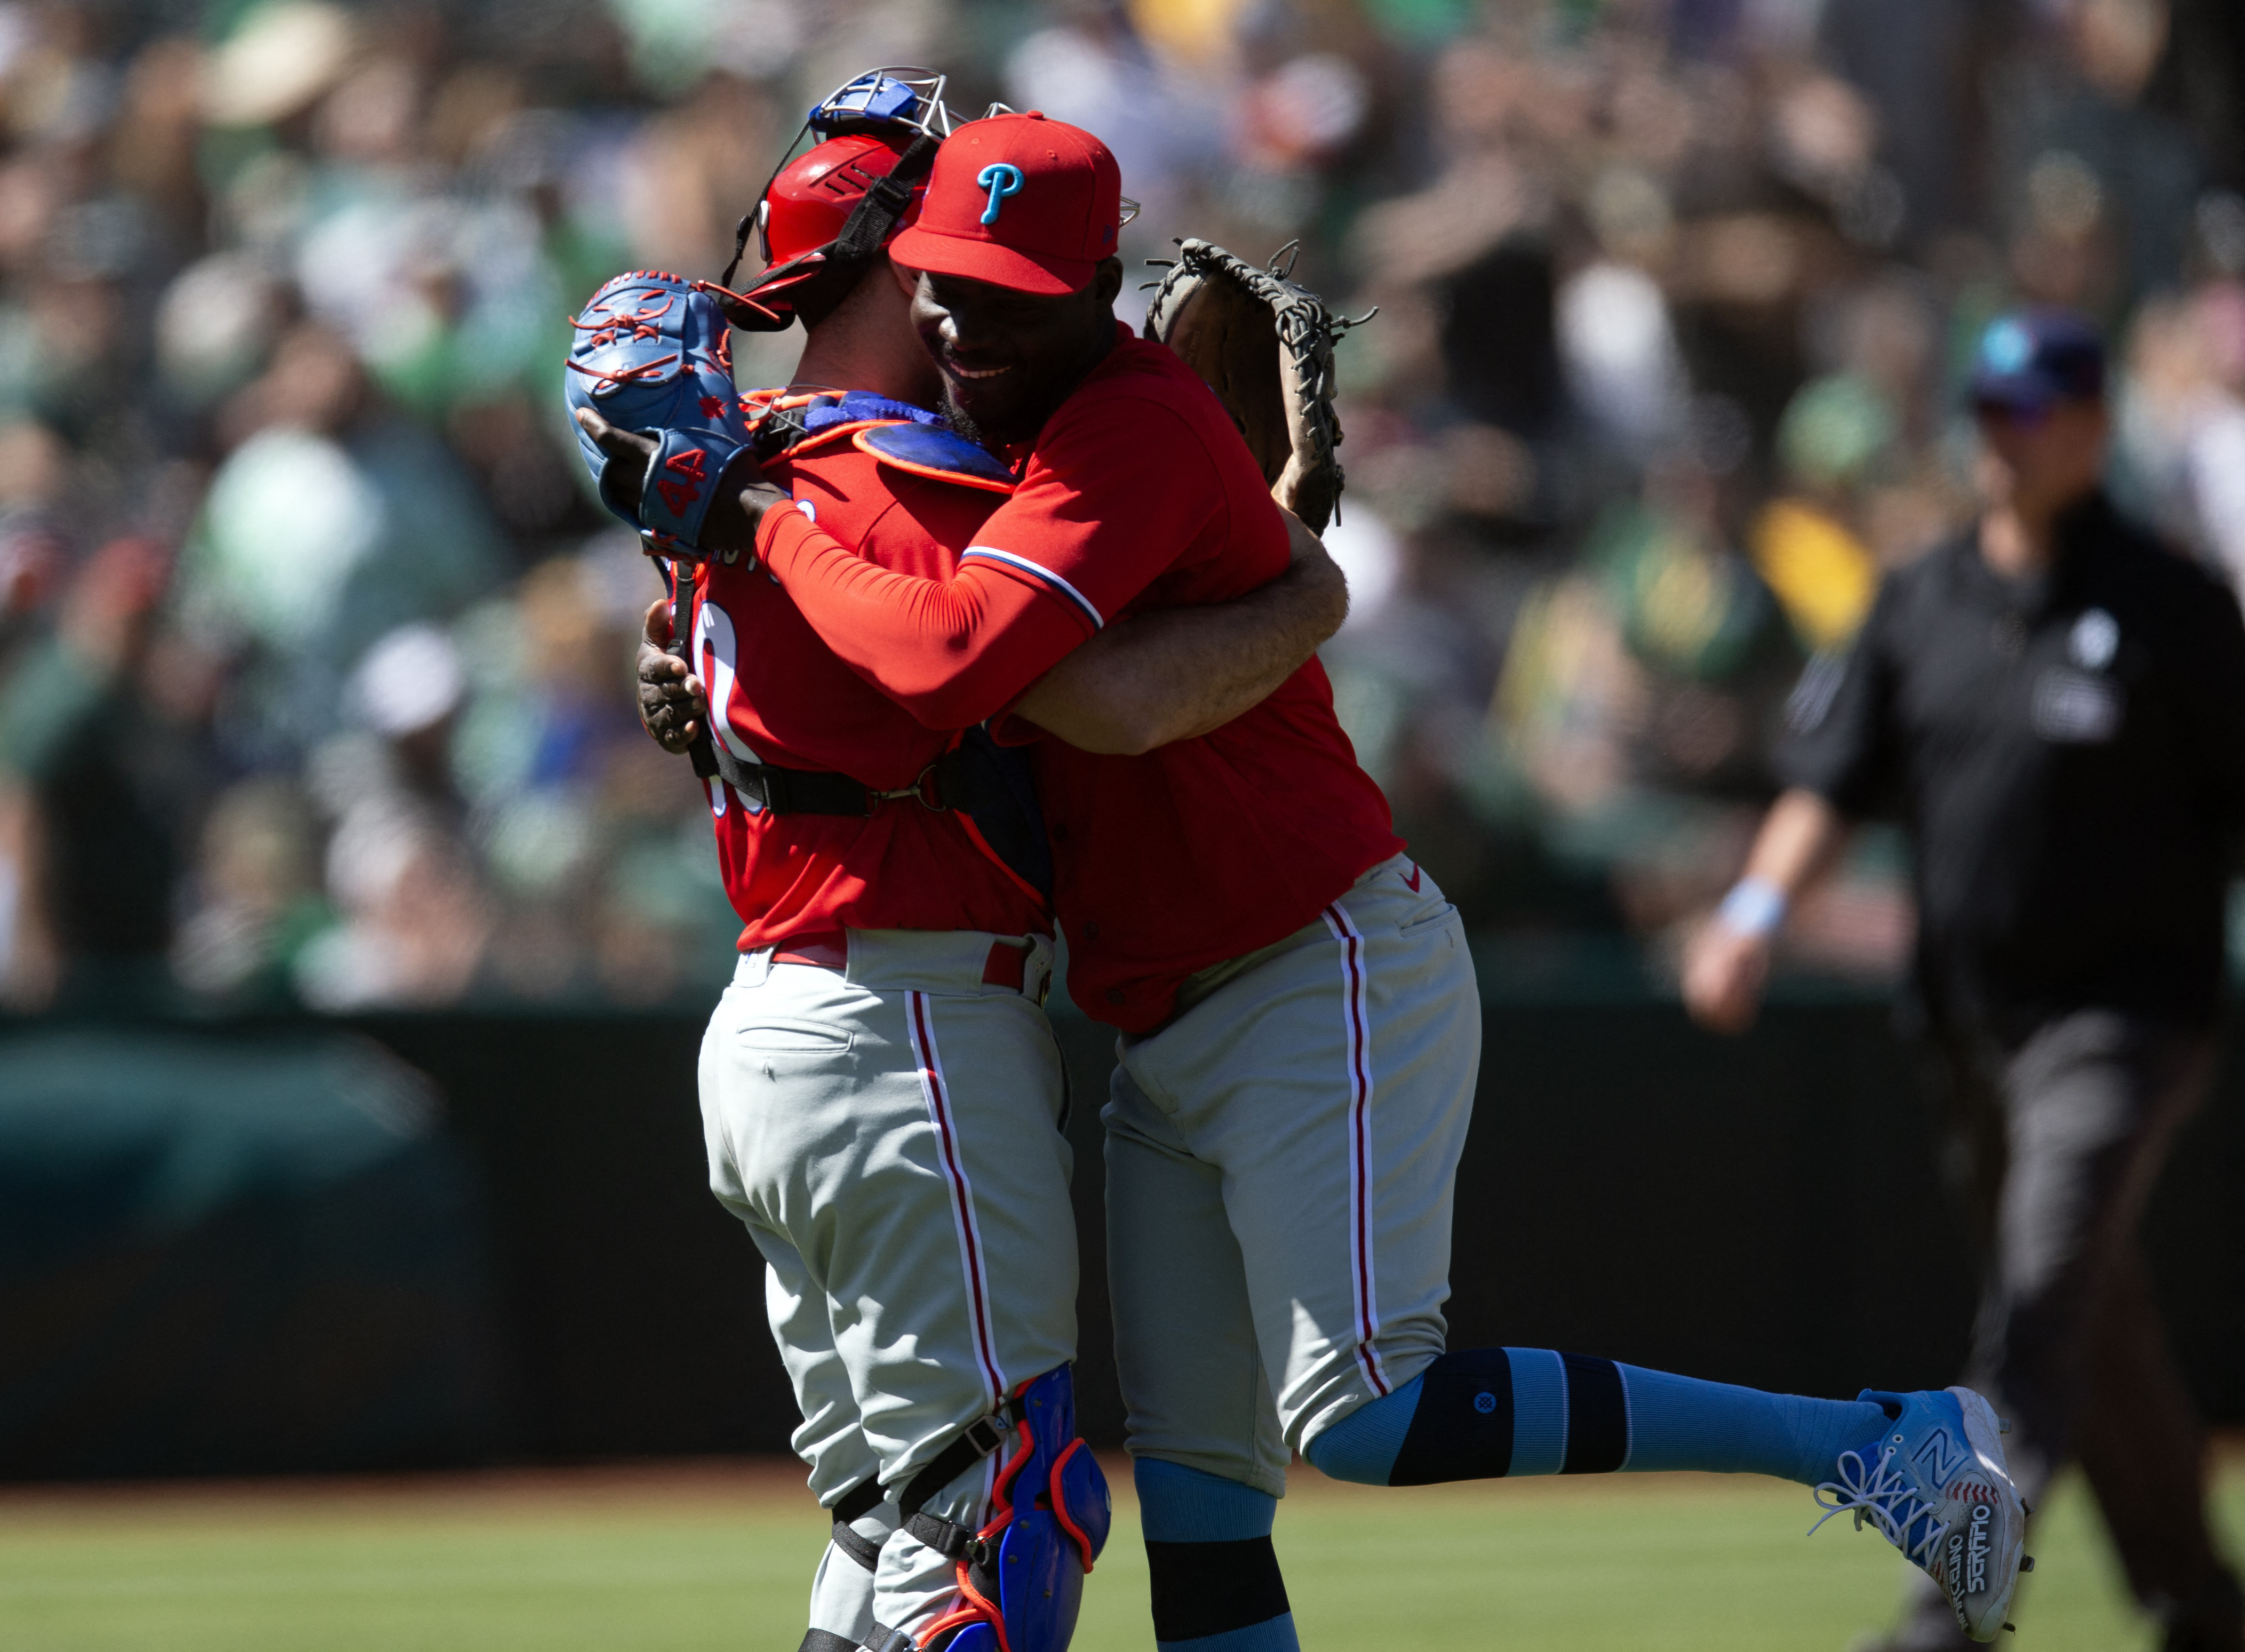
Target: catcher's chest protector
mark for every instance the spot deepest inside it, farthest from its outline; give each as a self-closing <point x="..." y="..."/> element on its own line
<point x="993" y="786"/>
<point x="898" y="434"/>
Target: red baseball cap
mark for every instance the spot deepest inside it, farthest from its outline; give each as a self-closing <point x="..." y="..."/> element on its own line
<point x="1019" y="201"/>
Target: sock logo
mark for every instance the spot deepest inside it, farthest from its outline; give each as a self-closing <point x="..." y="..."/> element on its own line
<point x="1484" y="1402"/>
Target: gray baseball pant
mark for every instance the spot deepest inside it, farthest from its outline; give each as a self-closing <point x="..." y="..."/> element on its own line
<point x="1280" y="1158"/>
<point x="889" y="1133"/>
<point x="2050" y="1148"/>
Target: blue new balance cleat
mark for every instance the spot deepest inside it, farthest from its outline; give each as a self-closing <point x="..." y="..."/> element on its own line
<point x="1935" y="1486"/>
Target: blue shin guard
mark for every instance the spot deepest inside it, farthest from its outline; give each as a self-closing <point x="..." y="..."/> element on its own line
<point x="1020" y="1578"/>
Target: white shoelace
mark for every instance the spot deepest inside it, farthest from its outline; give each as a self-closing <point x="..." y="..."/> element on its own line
<point x="1887" y="1496"/>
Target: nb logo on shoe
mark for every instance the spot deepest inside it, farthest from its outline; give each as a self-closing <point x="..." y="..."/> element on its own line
<point x="1939" y="1459"/>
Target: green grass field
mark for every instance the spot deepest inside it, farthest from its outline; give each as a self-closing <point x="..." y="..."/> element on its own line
<point x="718" y="1558"/>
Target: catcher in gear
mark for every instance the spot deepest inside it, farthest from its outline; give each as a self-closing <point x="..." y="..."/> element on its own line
<point x="1300" y="1023"/>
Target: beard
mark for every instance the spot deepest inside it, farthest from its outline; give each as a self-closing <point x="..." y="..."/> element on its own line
<point x="1020" y="427"/>
<point x="1024" y="422"/>
<point x="959" y="419"/>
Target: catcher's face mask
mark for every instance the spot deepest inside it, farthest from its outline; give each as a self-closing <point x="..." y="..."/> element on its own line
<point x="824" y="214"/>
<point x="885" y="110"/>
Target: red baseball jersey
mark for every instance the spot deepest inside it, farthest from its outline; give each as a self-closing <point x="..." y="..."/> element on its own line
<point x="787" y="699"/>
<point x="1137" y="493"/>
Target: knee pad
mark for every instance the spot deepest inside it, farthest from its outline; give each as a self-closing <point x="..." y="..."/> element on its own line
<point x="1020" y="1577"/>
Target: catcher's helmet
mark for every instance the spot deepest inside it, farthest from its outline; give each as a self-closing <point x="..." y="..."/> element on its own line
<point x="825" y="214"/>
<point x="813" y="196"/>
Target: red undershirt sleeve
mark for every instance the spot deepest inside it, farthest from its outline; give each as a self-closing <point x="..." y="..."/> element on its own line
<point x="951" y="652"/>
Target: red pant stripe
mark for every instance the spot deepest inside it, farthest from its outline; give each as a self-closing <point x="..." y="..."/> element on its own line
<point x="937" y="1095"/>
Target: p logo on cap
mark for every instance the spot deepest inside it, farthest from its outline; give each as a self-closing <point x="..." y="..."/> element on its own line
<point x="1001" y="179"/>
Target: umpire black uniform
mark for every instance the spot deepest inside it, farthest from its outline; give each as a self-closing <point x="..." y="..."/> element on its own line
<point x="2068" y="755"/>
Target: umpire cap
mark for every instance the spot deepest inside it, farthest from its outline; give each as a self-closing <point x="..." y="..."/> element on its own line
<point x="2030" y="361"/>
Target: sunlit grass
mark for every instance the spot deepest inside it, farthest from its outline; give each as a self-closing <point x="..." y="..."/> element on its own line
<point x="720" y="1559"/>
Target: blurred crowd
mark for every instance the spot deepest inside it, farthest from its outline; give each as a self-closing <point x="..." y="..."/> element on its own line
<point x="315" y="648"/>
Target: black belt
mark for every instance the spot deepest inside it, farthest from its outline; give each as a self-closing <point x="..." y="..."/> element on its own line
<point x="941" y="785"/>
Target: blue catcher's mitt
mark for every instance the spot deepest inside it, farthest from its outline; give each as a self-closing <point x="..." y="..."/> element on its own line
<point x="652" y="355"/>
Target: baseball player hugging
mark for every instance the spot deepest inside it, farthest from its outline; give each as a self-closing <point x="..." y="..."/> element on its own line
<point x="1081" y="525"/>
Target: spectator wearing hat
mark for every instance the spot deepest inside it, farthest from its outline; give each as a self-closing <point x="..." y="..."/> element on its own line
<point x="2056" y="704"/>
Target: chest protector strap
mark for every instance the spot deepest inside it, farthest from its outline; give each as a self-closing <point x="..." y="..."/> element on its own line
<point x="988" y="785"/>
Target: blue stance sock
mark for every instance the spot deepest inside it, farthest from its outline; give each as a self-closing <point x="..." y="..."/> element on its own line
<point x="1181" y="1505"/>
<point x="1679" y="1422"/>
<point x="1215" y="1576"/>
<point x="1484" y="1413"/>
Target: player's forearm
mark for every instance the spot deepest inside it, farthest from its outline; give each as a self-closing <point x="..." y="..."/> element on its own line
<point x="1183" y="672"/>
<point x="1799" y="841"/>
<point x="1727" y="960"/>
<point x="951" y="652"/>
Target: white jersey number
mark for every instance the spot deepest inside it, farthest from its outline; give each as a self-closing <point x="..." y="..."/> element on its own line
<point x="717" y="646"/>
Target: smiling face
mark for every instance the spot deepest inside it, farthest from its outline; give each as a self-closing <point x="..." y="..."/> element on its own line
<point x="1009" y="358"/>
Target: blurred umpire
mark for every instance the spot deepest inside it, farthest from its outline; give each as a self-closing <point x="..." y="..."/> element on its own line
<point x="2057" y="704"/>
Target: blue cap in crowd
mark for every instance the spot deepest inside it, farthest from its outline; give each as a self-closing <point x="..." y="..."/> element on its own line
<point x="2029" y="361"/>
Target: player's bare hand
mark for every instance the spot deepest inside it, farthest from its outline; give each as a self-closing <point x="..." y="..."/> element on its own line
<point x="1724" y="974"/>
<point x="629" y="454"/>
<point x="671" y="702"/>
<point x="742" y="494"/>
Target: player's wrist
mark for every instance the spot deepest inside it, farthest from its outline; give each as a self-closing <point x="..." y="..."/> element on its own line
<point x="758" y="498"/>
<point x="779" y="536"/>
<point x="1755" y="908"/>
